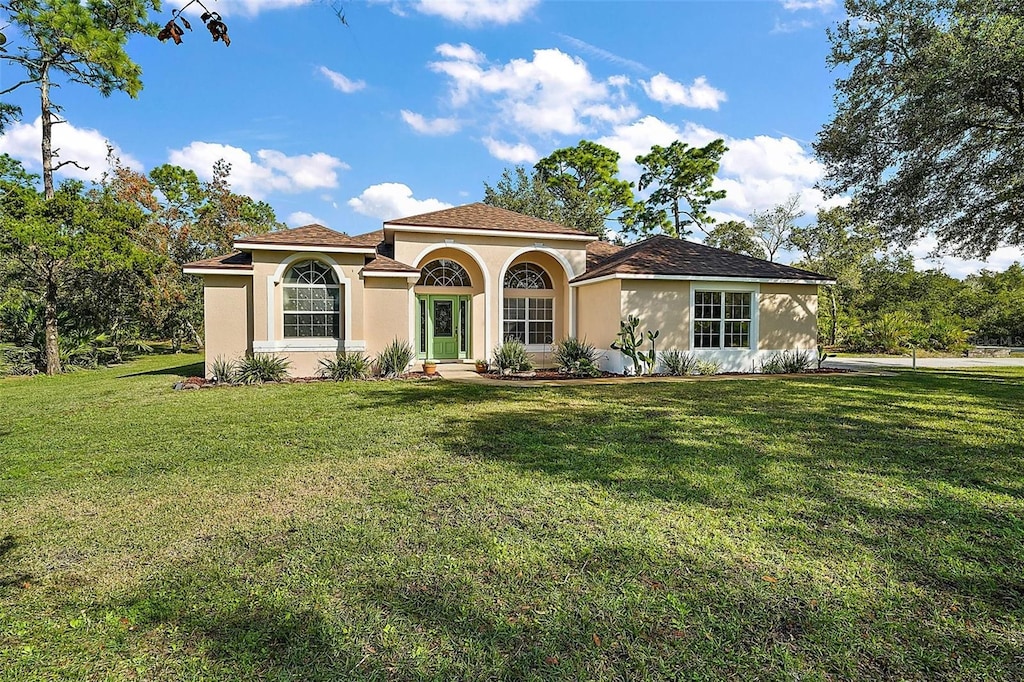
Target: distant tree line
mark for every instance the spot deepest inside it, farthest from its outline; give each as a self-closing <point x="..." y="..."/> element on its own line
<point x="95" y="272"/>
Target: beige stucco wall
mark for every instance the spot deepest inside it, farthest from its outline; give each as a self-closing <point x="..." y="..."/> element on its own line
<point x="789" y="316"/>
<point x="598" y="312"/>
<point x="661" y="305"/>
<point x="385" y="312"/>
<point x="228" y="310"/>
<point x="492" y="255"/>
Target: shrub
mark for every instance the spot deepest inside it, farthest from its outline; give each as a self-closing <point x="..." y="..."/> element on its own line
<point x="345" y="367"/>
<point x="788" y="362"/>
<point x="576" y="356"/>
<point x="796" y="361"/>
<point x="258" y="368"/>
<point x="708" y="367"/>
<point x="224" y="370"/>
<point x="511" y="357"/>
<point x="772" y="365"/>
<point x="18" y="360"/>
<point x="678" y="364"/>
<point x="394" y="359"/>
<point x="891" y="331"/>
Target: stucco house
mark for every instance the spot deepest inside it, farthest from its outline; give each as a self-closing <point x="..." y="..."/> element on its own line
<point x="457" y="282"/>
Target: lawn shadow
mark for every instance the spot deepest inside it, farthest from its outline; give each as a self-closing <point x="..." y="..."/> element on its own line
<point x="7" y="545"/>
<point x="194" y="369"/>
<point x="819" y="453"/>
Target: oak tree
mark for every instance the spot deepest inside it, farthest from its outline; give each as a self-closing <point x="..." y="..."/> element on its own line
<point x="928" y="131"/>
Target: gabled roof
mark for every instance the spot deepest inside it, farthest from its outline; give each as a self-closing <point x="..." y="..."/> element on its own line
<point x="598" y="251"/>
<point x="236" y="260"/>
<point x="384" y="264"/>
<point x="480" y="216"/>
<point x="310" y="235"/>
<point x="662" y="255"/>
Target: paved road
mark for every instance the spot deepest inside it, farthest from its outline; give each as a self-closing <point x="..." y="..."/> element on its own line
<point x="924" y="363"/>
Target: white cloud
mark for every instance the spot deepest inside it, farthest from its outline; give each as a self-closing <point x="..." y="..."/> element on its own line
<point x="462" y="52"/>
<point x="270" y="171"/>
<point x="601" y="53"/>
<point x="87" y="146"/>
<point x="699" y="95"/>
<point x="477" y="12"/>
<point x="791" y="26"/>
<point x="300" y="218"/>
<point x="794" y="5"/>
<point x="513" y="153"/>
<point x="341" y="82"/>
<point x="757" y="173"/>
<point x="436" y="126"/>
<point x="638" y="137"/>
<point x="1000" y="259"/>
<point x="391" y="200"/>
<point x="552" y="93"/>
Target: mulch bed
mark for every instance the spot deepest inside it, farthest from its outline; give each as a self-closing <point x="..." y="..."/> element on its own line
<point x="193" y="383"/>
<point x="553" y="375"/>
<point x="544" y="375"/>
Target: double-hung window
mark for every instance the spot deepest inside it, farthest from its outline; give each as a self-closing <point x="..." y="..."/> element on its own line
<point x="529" y="310"/>
<point x="721" y="319"/>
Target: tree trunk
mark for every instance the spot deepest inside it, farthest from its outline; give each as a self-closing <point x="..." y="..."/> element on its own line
<point x="47" y="146"/>
<point x="50" y="318"/>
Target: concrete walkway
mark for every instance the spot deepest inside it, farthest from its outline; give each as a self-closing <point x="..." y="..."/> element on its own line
<point x="897" y="361"/>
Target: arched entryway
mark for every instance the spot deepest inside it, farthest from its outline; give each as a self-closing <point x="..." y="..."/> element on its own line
<point x="536" y="300"/>
<point x="449" y="299"/>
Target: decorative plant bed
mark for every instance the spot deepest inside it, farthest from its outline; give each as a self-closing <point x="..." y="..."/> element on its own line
<point x="194" y="383"/>
<point x="545" y="375"/>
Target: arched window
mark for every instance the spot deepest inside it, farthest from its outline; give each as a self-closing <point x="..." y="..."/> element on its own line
<point x="444" y="273"/>
<point x="528" y="311"/>
<point x="311" y="301"/>
<point x="527" y="276"/>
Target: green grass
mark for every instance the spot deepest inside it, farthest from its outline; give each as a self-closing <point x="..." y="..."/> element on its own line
<point x="829" y="527"/>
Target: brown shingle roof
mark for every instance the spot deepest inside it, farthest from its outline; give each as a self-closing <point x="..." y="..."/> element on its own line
<point x="383" y="263"/>
<point x="483" y="217"/>
<point x="309" y="235"/>
<point x="663" y="255"/>
<point x="236" y="260"/>
<point x="598" y="251"/>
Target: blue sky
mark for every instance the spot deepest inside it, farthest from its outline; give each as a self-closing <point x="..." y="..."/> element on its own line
<point x="416" y="103"/>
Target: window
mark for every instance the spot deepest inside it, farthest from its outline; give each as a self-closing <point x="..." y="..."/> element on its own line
<point x="721" y="319"/>
<point x="529" y="318"/>
<point x="311" y="302"/>
<point x="444" y="273"/>
<point x="527" y="276"/>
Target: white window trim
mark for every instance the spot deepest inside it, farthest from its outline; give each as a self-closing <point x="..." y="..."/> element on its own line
<point x="733" y="287"/>
<point x="274" y="281"/>
<point x="307" y="344"/>
<point x="546" y="294"/>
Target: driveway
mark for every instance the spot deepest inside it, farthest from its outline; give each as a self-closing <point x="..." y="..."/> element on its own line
<point x="887" y="361"/>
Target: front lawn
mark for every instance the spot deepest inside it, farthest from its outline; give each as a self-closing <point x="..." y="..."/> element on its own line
<point x="828" y="527"/>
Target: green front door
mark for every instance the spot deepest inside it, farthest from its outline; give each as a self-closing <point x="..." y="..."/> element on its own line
<point x="443" y="327"/>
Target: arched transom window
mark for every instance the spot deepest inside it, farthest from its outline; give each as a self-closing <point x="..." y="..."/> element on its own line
<point x="311" y="301"/>
<point x="527" y="276"/>
<point x="528" y="310"/>
<point x="444" y="273"/>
